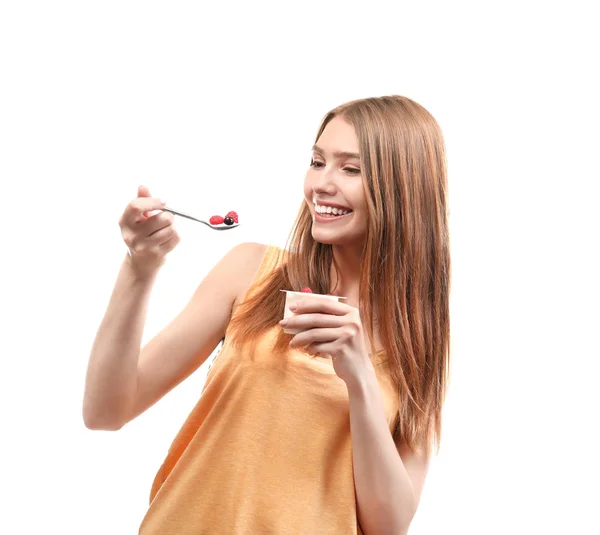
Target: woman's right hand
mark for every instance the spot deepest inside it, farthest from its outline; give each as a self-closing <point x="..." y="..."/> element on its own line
<point x="149" y="238"/>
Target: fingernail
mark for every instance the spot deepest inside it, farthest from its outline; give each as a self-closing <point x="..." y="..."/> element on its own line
<point x="293" y="307"/>
<point x="283" y="323"/>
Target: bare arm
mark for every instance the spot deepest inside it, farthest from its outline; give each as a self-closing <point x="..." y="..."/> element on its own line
<point x="177" y="351"/>
<point x="388" y="478"/>
<point x="122" y="381"/>
<point x="112" y="367"/>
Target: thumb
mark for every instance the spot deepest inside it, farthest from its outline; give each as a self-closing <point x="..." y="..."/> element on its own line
<point x="143" y="191"/>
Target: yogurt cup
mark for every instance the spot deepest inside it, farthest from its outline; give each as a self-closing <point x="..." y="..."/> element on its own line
<point x="292" y="297"/>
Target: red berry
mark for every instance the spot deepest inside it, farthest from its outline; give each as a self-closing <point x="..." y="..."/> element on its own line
<point x="233" y="216"/>
<point x="306" y="290"/>
<point x="216" y="220"/>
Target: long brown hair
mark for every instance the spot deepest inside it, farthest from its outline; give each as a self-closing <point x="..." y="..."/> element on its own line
<point x="406" y="249"/>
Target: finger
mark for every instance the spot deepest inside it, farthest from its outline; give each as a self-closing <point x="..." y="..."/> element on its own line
<point x="324" y="306"/>
<point x="143" y="191"/>
<point x="160" y="243"/>
<point x="155" y="223"/>
<point x="312" y="336"/>
<point x="170" y="244"/>
<point x="135" y="210"/>
<point x="162" y="236"/>
<point x="143" y="235"/>
<point x="311" y="321"/>
<point x="323" y="349"/>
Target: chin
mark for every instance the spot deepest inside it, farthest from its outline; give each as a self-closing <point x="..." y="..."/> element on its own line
<point x="328" y="238"/>
<point x="333" y="238"/>
<point x="335" y="234"/>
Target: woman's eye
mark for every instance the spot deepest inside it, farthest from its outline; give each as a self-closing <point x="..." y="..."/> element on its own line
<point x="316" y="165"/>
<point x="352" y="170"/>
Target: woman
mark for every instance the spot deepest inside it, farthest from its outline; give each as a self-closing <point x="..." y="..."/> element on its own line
<point x="328" y="431"/>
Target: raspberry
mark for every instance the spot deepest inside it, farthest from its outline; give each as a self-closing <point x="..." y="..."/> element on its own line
<point x="216" y="220"/>
<point x="306" y="290"/>
<point x="233" y="216"/>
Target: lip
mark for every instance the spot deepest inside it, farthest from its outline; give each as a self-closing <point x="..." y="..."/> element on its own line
<point x="321" y="219"/>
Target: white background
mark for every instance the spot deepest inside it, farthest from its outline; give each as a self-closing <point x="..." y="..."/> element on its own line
<point x="215" y="106"/>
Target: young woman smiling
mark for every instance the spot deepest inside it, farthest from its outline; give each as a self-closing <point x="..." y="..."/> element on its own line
<point x="328" y="431"/>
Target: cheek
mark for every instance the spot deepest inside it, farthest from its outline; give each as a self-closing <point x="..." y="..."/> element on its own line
<point x="357" y="197"/>
<point x="308" y="192"/>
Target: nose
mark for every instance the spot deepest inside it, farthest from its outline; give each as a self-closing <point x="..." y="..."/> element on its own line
<point x="324" y="183"/>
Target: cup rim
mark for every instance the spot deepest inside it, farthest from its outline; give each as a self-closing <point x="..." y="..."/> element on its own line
<point x="316" y="295"/>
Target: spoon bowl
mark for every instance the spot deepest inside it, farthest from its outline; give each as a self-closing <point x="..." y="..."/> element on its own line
<point x="187" y="216"/>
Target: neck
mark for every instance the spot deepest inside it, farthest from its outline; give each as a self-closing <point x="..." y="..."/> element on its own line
<point x="347" y="280"/>
<point x="348" y="283"/>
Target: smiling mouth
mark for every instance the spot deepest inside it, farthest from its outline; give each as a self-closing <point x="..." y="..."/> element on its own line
<point x="327" y="217"/>
<point x="331" y="210"/>
<point x="327" y="214"/>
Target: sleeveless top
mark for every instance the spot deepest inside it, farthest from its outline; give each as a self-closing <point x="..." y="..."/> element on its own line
<point x="267" y="448"/>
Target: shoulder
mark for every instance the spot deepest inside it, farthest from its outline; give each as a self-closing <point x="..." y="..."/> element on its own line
<point x="248" y="252"/>
<point x="249" y="260"/>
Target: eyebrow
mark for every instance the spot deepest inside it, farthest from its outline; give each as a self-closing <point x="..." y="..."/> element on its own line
<point x="337" y="154"/>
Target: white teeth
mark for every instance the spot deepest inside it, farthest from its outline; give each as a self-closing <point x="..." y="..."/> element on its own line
<point x="329" y="210"/>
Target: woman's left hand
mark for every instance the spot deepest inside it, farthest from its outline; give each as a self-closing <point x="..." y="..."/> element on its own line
<point x="333" y="328"/>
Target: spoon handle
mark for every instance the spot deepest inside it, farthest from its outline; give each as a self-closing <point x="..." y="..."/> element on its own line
<point x="177" y="212"/>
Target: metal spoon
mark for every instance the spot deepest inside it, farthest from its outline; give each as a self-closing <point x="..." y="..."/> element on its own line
<point x="214" y="227"/>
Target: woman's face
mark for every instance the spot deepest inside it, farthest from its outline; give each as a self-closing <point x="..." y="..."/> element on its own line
<point x="333" y="187"/>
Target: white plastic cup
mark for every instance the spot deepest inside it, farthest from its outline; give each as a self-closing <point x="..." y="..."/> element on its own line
<point x="293" y="297"/>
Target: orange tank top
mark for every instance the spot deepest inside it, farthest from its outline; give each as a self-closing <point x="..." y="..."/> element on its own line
<point x="267" y="448"/>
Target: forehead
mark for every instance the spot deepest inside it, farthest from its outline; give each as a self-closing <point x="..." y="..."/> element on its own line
<point x="338" y="136"/>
